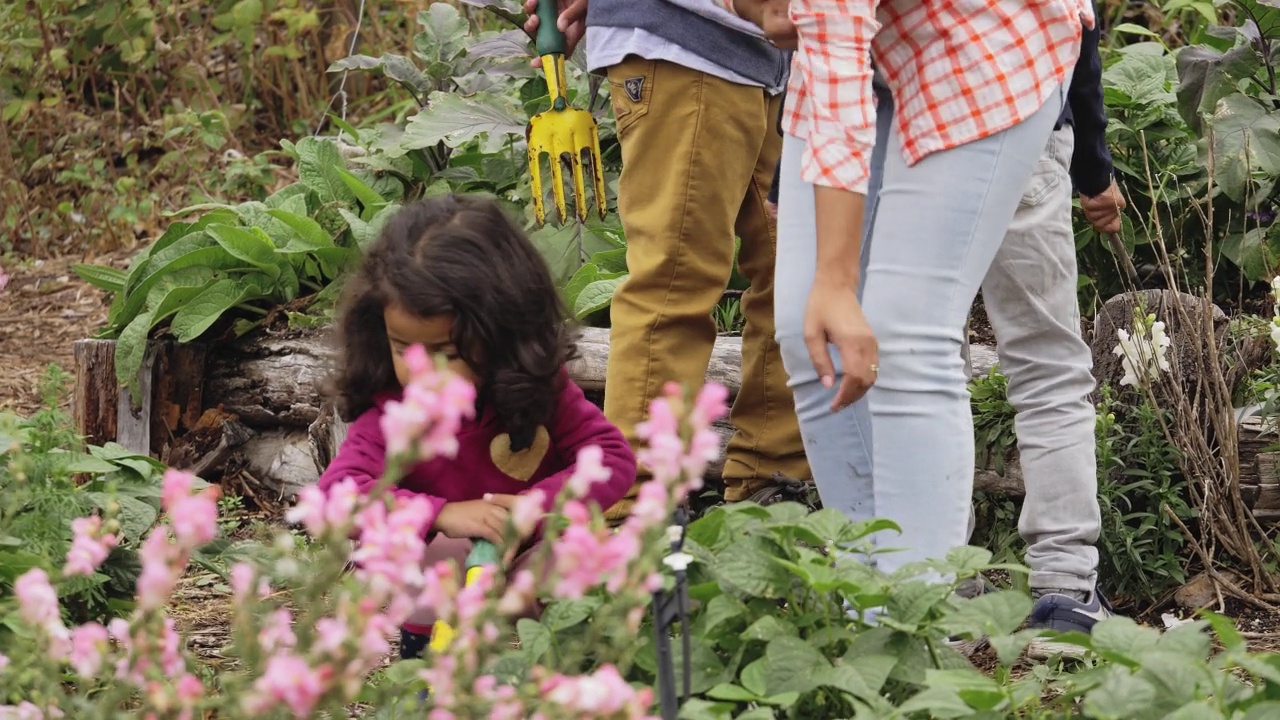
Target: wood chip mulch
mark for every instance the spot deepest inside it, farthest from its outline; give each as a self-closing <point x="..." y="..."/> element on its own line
<point x="43" y="311"/>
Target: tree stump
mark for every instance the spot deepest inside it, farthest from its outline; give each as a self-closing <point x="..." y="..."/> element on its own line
<point x="170" y="383"/>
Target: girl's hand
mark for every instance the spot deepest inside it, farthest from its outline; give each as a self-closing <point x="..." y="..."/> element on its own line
<point x="473" y="519"/>
<point x="834" y="317"/>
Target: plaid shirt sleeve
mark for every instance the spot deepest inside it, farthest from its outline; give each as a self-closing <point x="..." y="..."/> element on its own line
<point x="833" y="62"/>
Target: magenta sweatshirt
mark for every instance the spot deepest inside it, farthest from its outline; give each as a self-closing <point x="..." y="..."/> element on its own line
<point x="485" y="464"/>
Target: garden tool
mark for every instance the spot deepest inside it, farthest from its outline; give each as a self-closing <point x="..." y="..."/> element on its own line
<point x="482" y="553"/>
<point x="562" y="129"/>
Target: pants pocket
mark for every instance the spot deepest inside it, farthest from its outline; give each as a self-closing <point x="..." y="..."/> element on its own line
<point x="631" y="90"/>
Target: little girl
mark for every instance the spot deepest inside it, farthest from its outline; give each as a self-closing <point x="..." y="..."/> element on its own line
<point x="454" y="275"/>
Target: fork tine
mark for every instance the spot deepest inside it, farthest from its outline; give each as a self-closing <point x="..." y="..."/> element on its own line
<point x="579" y="185"/>
<point x="597" y="173"/>
<point x="535" y="184"/>
<point x="557" y="180"/>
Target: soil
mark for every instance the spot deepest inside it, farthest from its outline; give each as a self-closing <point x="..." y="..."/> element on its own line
<point x="44" y="310"/>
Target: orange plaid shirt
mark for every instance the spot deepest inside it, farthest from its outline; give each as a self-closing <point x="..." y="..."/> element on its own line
<point x="959" y="71"/>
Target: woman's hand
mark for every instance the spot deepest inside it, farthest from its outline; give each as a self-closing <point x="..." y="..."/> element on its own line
<point x="473" y="519"/>
<point x="834" y="317"/>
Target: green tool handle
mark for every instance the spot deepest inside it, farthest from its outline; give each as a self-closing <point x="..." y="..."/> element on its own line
<point x="550" y="40"/>
<point x="482" y="553"/>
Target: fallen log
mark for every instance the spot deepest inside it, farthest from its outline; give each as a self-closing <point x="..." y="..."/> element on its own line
<point x="273" y="384"/>
<point x="277" y="379"/>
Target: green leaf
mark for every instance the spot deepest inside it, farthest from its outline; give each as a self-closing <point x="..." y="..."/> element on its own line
<point x="768" y="627"/>
<point x="720" y="610"/>
<point x="102" y="277"/>
<point x="444" y="34"/>
<point x="198" y="315"/>
<point x="1141" y="77"/>
<point x="1120" y="638"/>
<point x="611" y="261"/>
<point x="1120" y="697"/>
<point x="559" y="246"/>
<point x="1246" y="147"/>
<point x="565" y="614"/>
<point x="792" y="665"/>
<point x="306" y="229"/>
<point x="535" y="639"/>
<point x="375" y="226"/>
<point x="1132" y="29"/>
<point x="708" y="669"/>
<point x="318" y="163"/>
<point x="754" y="678"/>
<point x="862" y="676"/>
<point x="976" y="690"/>
<point x="1265" y="13"/>
<point x="251" y="245"/>
<point x="1255" y="252"/>
<point x="1206" y="76"/>
<point x="131" y="348"/>
<point x="1263" y="711"/>
<point x="596" y="296"/>
<point x="990" y="614"/>
<point x="1225" y="629"/>
<point x="86" y="463"/>
<point x="212" y="257"/>
<point x="937" y="702"/>
<point x="394" y="67"/>
<point x="136" y="517"/>
<point x="748" y="567"/>
<point x="369" y="198"/>
<point x="456" y="120"/>
<point x="912" y="601"/>
<point x="731" y="693"/>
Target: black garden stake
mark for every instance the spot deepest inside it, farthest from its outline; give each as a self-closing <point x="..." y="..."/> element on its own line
<point x="668" y="607"/>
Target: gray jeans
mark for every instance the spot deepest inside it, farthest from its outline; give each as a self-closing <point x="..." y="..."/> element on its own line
<point x="1030" y="296"/>
<point x="934" y="231"/>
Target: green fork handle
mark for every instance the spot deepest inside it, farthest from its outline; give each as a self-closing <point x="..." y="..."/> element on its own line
<point x="550" y="41"/>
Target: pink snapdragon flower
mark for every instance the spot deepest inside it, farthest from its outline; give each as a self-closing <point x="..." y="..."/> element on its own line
<point x="88" y="645"/>
<point x="37" y="600"/>
<point x="162" y="565"/>
<point x="588" y="471"/>
<point x="290" y="681"/>
<point x="193" y="516"/>
<point x="427" y="418"/>
<point x="601" y="694"/>
<point x="585" y="556"/>
<point x="89" y="546"/>
<point x="23" y="710"/>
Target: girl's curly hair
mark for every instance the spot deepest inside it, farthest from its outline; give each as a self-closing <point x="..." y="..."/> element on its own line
<point x="463" y="257"/>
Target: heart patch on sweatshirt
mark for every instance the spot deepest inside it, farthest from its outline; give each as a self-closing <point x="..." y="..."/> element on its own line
<point x="520" y="465"/>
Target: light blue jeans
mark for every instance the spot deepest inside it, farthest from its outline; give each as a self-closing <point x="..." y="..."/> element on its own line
<point x="932" y="232"/>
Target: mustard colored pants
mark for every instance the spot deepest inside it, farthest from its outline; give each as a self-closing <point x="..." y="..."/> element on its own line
<point x="698" y="156"/>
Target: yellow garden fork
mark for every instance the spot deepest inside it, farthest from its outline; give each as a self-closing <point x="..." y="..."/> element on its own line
<point x="561" y="130"/>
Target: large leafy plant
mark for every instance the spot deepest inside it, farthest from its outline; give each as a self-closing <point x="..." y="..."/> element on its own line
<point x="41" y="460"/>
<point x="249" y="257"/>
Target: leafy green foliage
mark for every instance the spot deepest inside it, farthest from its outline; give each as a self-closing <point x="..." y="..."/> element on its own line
<point x="1196" y="126"/>
<point x="248" y="257"/>
<point x="47" y="479"/>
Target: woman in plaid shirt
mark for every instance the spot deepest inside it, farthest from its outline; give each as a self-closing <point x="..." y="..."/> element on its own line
<point x="976" y="90"/>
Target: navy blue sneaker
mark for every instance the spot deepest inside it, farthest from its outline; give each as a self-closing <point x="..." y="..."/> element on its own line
<point x="1063" y="614"/>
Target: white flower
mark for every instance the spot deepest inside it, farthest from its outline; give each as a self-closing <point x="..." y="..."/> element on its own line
<point x="1144" y="356"/>
<point x="1275" y="293"/>
<point x="1275" y="332"/>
